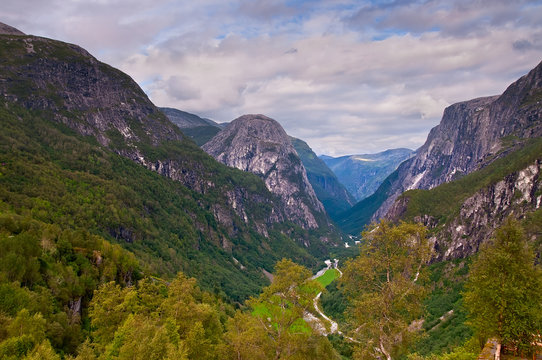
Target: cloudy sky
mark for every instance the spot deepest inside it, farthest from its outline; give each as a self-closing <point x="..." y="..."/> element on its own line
<point x="348" y="77"/>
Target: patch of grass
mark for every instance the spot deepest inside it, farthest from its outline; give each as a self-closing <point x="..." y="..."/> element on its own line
<point x="328" y="277"/>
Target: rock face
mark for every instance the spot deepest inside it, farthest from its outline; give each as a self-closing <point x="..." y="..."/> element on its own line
<point x="516" y="195"/>
<point x="363" y="174"/>
<point x="9" y="30"/>
<point x="258" y="144"/>
<point x="65" y="80"/>
<point x="470" y="136"/>
<point x="327" y="187"/>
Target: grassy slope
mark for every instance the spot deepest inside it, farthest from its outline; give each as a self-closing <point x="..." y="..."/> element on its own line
<point x="328" y="277"/>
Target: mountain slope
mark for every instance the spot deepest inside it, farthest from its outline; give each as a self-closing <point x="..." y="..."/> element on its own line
<point x="86" y="127"/>
<point x="258" y="144"/>
<point x="471" y="135"/>
<point x="464" y="213"/>
<point x="363" y="174"/>
<point x="327" y="187"/>
<point x="198" y="129"/>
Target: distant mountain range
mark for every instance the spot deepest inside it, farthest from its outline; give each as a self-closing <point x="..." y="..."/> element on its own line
<point x="363" y="174"/>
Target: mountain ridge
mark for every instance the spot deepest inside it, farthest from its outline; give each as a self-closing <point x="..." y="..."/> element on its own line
<point x="471" y="135"/>
<point x="105" y="114"/>
<point x="331" y="192"/>
<point x="258" y="144"/>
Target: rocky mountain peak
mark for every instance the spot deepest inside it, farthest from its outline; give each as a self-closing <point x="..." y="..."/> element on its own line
<point x="9" y="30"/>
<point x="259" y="144"/>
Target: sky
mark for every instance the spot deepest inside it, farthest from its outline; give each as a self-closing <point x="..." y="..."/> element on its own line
<point x="348" y="77"/>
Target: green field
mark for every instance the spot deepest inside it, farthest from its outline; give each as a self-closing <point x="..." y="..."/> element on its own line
<point x="328" y="277"/>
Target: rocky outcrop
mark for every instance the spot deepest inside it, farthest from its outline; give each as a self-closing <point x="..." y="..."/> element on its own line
<point x="79" y="91"/>
<point x="258" y="144"/>
<point x="9" y="30"/>
<point x="516" y="195"/>
<point x="471" y="135"/>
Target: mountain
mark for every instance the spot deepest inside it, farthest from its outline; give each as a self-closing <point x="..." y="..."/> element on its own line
<point x="9" y="30"/>
<point x="83" y="149"/>
<point x="471" y="135"/>
<point x="464" y="213"/>
<point x="363" y="174"/>
<point x="198" y="129"/>
<point x="258" y="144"/>
<point x="328" y="188"/>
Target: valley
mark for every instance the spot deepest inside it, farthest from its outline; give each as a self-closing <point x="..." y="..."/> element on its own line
<point x="133" y="231"/>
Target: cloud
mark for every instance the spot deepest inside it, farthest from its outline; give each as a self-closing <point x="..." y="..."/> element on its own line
<point x="346" y="76"/>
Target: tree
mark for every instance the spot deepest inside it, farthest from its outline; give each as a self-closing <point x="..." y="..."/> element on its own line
<point x="384" y="288"/>
<point x="503" y="292"/>
<point x="275" y="329"/>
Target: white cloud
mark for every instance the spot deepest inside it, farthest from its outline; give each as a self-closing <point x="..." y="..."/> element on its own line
<point x="315" y="67"/>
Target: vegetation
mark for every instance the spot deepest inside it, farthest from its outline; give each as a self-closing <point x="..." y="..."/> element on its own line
<point x="353" y="221"/>
<point x="201" y="134"/>
<point x="327" y="187"/>
<point x="275" y="328"/>
<point x="445" y="317"/>
<point x="50" y="174"/>
<point x="384" y="288"/>
<point x="327" y="277"/>
<point x="444" y="202"/>
<point x="503" y="291"/>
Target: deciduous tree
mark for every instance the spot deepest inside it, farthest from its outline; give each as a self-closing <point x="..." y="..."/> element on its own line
<point x="384" y="288"/>
<point x="504" y="290"/>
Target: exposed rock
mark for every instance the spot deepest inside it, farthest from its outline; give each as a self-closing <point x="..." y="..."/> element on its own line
<point x="470" y="136"/>
<point x="9" y="30"/>
<point x="485" y="211"/>
<point x="258" y="144"/>
<point x="363" y="174"/>
<point x="68" y="85"/>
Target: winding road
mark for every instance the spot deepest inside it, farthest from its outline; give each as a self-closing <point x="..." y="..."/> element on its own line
<point x="334" y="328"/>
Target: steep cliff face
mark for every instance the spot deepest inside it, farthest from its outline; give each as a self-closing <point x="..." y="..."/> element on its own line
<point x="464" y="213"/>
<point x="258" y="144"/>
<point x="482" y="213"/>
<point x="327" y="187"/>
<point x="469" y="137"/>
